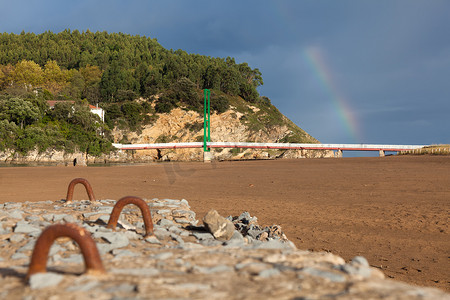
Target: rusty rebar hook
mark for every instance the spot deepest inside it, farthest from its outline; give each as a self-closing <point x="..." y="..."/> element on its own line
<point x="92" y="260"/>
<point x="146" y="214"/>
<point x="86" y="184"/>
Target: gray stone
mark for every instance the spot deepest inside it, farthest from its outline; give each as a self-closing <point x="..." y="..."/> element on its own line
<point x="237" y="236"/>
<point x="356" y="270"/>
<point x="163" y="212"/>
<point x="55" y="248"/>
<point x="234" y="244"/>
<point x="139" y="225"/>
<point x="121" y="288"/>
<point x="271" y="244"/>
<point x="32" y="218"/>
<point x="177" y="238"/>
<point x="360" y="260"/>
<point x="212" y="270"/>
<point x="48" y="217"/>
<point x="254" y="233"/>
<point x="333" y="277"/>
<point x="162" y="255"/>
<point x="124" y="253"/>
<point x="192" y="286"/>
<point x="105" y="209"/>
<point x="12" y="205"/>
<point x="171" y="202"/>
<point x="246" y="218"/>
<point x="175" y="229"/>
<point x="59" y="217"/>
<point x="25" y="227"/>
<point x="88" y="215"/>
<point x="116" y="239"/>
<point x="34" y="234"/>
<point x="153" y="240"/>
<point x="211" y="242"/>
<point x="131" y="235"/>
<point x="165" y="223"/>
<point x="252" y="265"/>
<point x="236" y="241"/>
<point x="19" y="255"/>
<point x="91" y="229"/>
<point x="27" y="247"/>
<point x="104" y="248"/>
<point x="15" y="238"/>
<point x="72" y="259"/>
<point x="3" y="230"/>
<point x="15" y="214"/>
<point x="43" y="280"/>
<point x="89" y="285"/>
<point x="124" y="223"/>
<point x="202" y="235"/>
<point x="269" y="273"/>
<point x="161" y="234"/>
<point x="183" y="213"/>
<point x="69" y="219"/>
<point x="182" y="221"/>
<point x="190" y="246"/>
<point x="221" y="228"/>
<point x="136" y="272"/>
<point x="185" y="233"/>
<point x="104" y="229"/>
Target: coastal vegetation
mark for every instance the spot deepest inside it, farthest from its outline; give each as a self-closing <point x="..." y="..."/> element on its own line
<point x="429" y="150"/>
<point x="133" y="78"/>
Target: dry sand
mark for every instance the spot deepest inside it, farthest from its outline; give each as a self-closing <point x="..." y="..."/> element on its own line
<point x="393" y="210"/>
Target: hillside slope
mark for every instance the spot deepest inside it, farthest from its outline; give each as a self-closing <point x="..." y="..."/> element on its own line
<point x="242" y="122"/>
<point x="148" y="93"/>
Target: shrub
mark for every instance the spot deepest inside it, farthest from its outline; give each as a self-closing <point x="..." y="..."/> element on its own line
<point x="220" y="104"/>
<point x="165" y="104"/>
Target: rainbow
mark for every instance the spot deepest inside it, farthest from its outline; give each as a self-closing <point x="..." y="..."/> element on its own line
<point x="314" y="58"/>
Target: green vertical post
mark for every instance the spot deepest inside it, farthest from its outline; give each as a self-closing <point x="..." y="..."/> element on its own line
<point x="206" y="120"/>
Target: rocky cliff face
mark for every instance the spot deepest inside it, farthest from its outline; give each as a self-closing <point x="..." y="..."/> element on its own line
<point x="231" y="126"/>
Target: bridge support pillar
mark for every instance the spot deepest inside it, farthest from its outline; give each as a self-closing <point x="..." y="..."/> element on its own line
<point x="338" y="153"/>
<point x="208" y="156"/>
<point x="381" y="153"/>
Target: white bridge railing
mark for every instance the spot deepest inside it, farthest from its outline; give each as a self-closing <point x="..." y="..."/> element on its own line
<point x="287" y="146"/>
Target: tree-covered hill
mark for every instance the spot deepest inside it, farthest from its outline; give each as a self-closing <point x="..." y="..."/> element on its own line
<point x="114" y="67"/>
<point x="133" y="78"/>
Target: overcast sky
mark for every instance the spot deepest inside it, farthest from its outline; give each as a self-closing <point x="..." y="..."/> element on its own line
<point x="345" y="71"/>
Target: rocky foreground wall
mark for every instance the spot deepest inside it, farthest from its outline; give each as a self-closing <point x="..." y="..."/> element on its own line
<point x="182" y="259"/>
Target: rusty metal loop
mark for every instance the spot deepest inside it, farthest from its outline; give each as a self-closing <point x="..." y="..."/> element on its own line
<point x="146" y="214"/>
<point x="86" y="184"/>
<point x="92" y="260"/>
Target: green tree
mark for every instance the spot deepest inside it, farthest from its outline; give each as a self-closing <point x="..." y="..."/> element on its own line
<point x="53" y="77"/>
<point x="28" y="73"/>
<point x="75" y="87"/>
<point x="132" y="112"/>
<point x="92" y="76"/>
<point x="8" y="134"/>
<point x="184" y="91"/>
<point x="19" y="111"/>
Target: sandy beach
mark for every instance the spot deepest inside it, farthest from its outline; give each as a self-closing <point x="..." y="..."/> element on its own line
<point x="392" y="210"/>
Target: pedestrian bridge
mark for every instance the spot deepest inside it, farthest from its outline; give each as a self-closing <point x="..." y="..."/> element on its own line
<point x="287" y="146"/>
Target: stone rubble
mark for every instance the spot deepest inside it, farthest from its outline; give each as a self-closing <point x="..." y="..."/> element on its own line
<point x="182" y="260"/>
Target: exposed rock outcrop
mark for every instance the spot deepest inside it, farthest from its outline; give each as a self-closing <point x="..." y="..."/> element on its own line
<point x="187" y="126"/>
